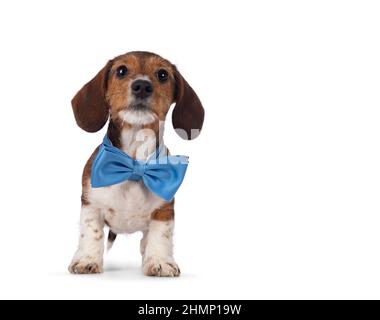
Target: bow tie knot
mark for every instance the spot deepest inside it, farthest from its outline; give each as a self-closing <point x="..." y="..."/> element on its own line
<point x="161" y="174"/>
<point x="139" y="168"/>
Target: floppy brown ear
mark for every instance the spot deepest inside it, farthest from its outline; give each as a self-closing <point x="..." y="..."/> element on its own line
<point x="89" y="105"/>
<point x="188" y="113"/>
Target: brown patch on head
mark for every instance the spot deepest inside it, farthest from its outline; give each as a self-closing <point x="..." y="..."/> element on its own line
<point x="164" y="213"/>
<point x="143" y="65"/>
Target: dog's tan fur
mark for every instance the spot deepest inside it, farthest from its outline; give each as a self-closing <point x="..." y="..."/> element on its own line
<point x="129" y="207"/>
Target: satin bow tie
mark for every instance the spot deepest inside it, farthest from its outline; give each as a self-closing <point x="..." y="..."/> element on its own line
<point x="161" y="174"/>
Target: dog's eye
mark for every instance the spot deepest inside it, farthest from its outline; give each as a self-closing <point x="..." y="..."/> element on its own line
<point x="121" y="72"/>
<point x="162" y="75"/>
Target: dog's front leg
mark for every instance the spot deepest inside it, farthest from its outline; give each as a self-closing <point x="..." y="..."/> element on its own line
<point x="89" y="256"/>
<point x="158" y="254"/>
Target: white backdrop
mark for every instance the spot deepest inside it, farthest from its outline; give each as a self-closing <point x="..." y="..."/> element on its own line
<point x="282" y="196"/>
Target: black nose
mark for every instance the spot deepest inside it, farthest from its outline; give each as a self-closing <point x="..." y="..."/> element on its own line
<point x="142" y="89"/>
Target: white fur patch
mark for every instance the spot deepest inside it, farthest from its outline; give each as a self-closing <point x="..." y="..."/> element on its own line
<point x="130" y="202"/>
<point x="141" y="77"/>
<point x="137" y="117"/>
<point x="139" y="141"/>
<point x="158" y="254"/>
<point x="159" y="239"/>
<point x="91" y="243"/>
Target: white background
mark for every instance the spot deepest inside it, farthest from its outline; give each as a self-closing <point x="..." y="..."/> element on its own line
<point x="282" y="196"/>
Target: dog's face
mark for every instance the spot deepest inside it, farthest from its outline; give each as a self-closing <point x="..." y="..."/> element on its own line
<point x="137" y="89"/>
<point x="140" y="88"/>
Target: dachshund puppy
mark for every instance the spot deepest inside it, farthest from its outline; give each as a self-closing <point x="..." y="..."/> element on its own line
<point x="134" y="91"/>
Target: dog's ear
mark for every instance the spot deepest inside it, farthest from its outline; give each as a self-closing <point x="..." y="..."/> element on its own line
<point x="90" y="108"/>
<point x="188" y="113"/>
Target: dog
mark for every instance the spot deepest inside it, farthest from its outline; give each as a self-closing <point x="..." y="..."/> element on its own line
<point x="134" y="91"/>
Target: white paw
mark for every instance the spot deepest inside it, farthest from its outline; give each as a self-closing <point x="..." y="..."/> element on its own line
<point x="85" y="265"/>
<point x="160" y="267"/>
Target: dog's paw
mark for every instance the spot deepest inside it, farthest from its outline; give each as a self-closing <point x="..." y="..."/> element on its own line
<point x="160" y="267"/>
<point x="85" y="266"/>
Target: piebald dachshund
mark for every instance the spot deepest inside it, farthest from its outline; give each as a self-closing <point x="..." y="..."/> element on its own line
<point x="134" y="92"/>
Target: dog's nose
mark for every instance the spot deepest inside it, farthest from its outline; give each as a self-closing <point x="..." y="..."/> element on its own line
<point x="142" y="88"/>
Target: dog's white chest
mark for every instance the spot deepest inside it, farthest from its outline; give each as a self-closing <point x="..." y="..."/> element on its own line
<point x="127" y="207"/>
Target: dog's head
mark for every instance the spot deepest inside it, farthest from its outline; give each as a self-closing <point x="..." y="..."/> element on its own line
<point x="138" y="88"/>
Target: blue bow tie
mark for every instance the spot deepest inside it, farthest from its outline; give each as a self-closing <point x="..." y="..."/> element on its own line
<point x="161" y="174"/>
